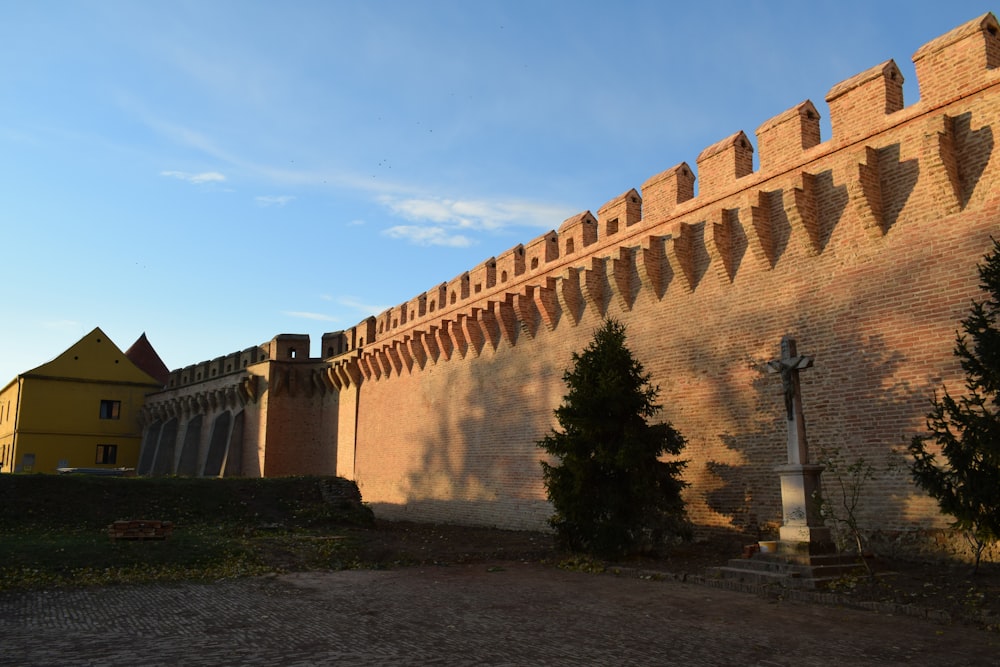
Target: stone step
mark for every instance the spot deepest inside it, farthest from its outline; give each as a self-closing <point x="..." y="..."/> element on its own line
<point x="761" y="577"/>
<point x="750" y="576"/>
<point x="814" y="559"/>
<point x="824" y="568"/>
<point x="791" y="570"/>
<point x="757" y="565"/>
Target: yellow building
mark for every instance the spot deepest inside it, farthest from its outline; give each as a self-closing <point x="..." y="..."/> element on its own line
<point x="80" y="410"/>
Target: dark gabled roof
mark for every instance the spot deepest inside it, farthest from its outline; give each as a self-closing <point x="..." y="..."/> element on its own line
<point x="145" y="357"/>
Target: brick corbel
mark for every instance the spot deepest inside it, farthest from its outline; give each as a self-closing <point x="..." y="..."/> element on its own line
<point x="726" y="234"/>
<point x="403" y="348"/>
<point x="651" y="265"/>
<point x="473" y="334"/>
<point x="352" y="371"/>
<point x="527" y="313"/>
<point x="333" y="378"/>
<point x="329" y="379"/>
<point x="681" y="252"/>
<point x="940" y="159"/>
<point x="368" y="367"/>
<point x="507" y="319"/>
<point x="803" y="214"/>
<point x="489" y="325"/>
<point x="384" y="362"/>
<point x="570" y="294"/>
<point x="444" y="342"/>
<point x="594" y="280"/>
<point x="430" y="343"/>
<point x="762" y="230"/>
<point x="866" y="192"/>
<point x="548" y="303"/>
<point x="458" y="340"/>
<point x="417" y="350"/>
<point x="620" y="274"/>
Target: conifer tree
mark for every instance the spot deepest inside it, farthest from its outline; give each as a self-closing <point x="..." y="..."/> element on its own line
<point x="967" y="429"/>
<point x="611" y="491"/>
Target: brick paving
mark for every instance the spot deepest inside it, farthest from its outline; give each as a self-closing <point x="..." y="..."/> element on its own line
<point x="504" y="614"/>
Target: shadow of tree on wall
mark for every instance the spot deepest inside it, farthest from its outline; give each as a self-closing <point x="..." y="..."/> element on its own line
<point x="740" y="497"/>
<point x="482" y="463"/>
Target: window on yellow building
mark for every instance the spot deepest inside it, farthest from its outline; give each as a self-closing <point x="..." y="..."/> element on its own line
<point x="111" y="409"/>
<point x="107" y="454"/>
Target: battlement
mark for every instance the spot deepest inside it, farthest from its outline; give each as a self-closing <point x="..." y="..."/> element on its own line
<point x="283" y="347"/>
<point x="665" y="232"/>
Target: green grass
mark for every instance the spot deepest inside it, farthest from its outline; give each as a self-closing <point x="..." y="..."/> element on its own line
<point x="53" y="529"/>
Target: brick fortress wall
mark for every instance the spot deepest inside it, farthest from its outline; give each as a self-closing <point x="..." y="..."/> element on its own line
<point x="863" y="247"/>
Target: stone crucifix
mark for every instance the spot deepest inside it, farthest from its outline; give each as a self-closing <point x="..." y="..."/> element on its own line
<point x="789" y="365"/>
<point x="803" y="530"/>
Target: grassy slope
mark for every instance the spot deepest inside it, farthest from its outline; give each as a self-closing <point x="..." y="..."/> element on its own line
<point x="53" y="528"/>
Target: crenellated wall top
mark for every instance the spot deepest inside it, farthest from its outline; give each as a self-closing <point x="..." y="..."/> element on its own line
<point x="283" y="347"/>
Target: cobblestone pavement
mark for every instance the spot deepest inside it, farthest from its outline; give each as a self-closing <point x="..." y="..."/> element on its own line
<point x="505" y="614"/>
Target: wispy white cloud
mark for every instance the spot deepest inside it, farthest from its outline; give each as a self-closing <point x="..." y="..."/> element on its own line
<point x="423" y="235"/>
<point x="196" y="179"/>
<point x="358" y="305"/>
<point x="305" y="315"/>
<point x="477" y="214"/>
<point x="189" y="137"/>
<point x="452" y="221"/>
<point x="273" y="200"/>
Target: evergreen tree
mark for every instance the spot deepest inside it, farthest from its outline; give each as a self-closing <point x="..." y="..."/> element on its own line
<point x="611" y="492"/>
<point x="967" y="429"/>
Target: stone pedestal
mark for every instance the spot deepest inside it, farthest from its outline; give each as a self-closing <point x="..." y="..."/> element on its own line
<point x="802" y="530"/>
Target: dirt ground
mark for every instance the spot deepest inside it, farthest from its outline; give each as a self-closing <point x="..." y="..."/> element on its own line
<point x="941" y="587"/>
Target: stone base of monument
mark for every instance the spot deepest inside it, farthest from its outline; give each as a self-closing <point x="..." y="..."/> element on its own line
<point x="793" y="565"/>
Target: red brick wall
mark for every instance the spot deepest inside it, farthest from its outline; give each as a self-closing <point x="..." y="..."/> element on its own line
<point x="301" y="423"/>
<point x="862" y="247"/>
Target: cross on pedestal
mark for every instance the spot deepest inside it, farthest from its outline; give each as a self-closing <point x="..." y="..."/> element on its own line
<point x="802" y="529"/>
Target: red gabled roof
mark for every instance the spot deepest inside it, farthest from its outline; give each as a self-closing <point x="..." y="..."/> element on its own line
<point x="145" y="357"/>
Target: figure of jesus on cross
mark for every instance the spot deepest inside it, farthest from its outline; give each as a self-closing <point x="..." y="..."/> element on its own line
<point x="789" y="365"/>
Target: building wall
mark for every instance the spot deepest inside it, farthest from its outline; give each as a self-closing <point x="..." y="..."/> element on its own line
<point x="8" y="418"/>
<point x="57" y="410"/>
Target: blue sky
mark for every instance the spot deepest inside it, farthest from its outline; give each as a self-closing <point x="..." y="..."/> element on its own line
<point x="214" y="173"/>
